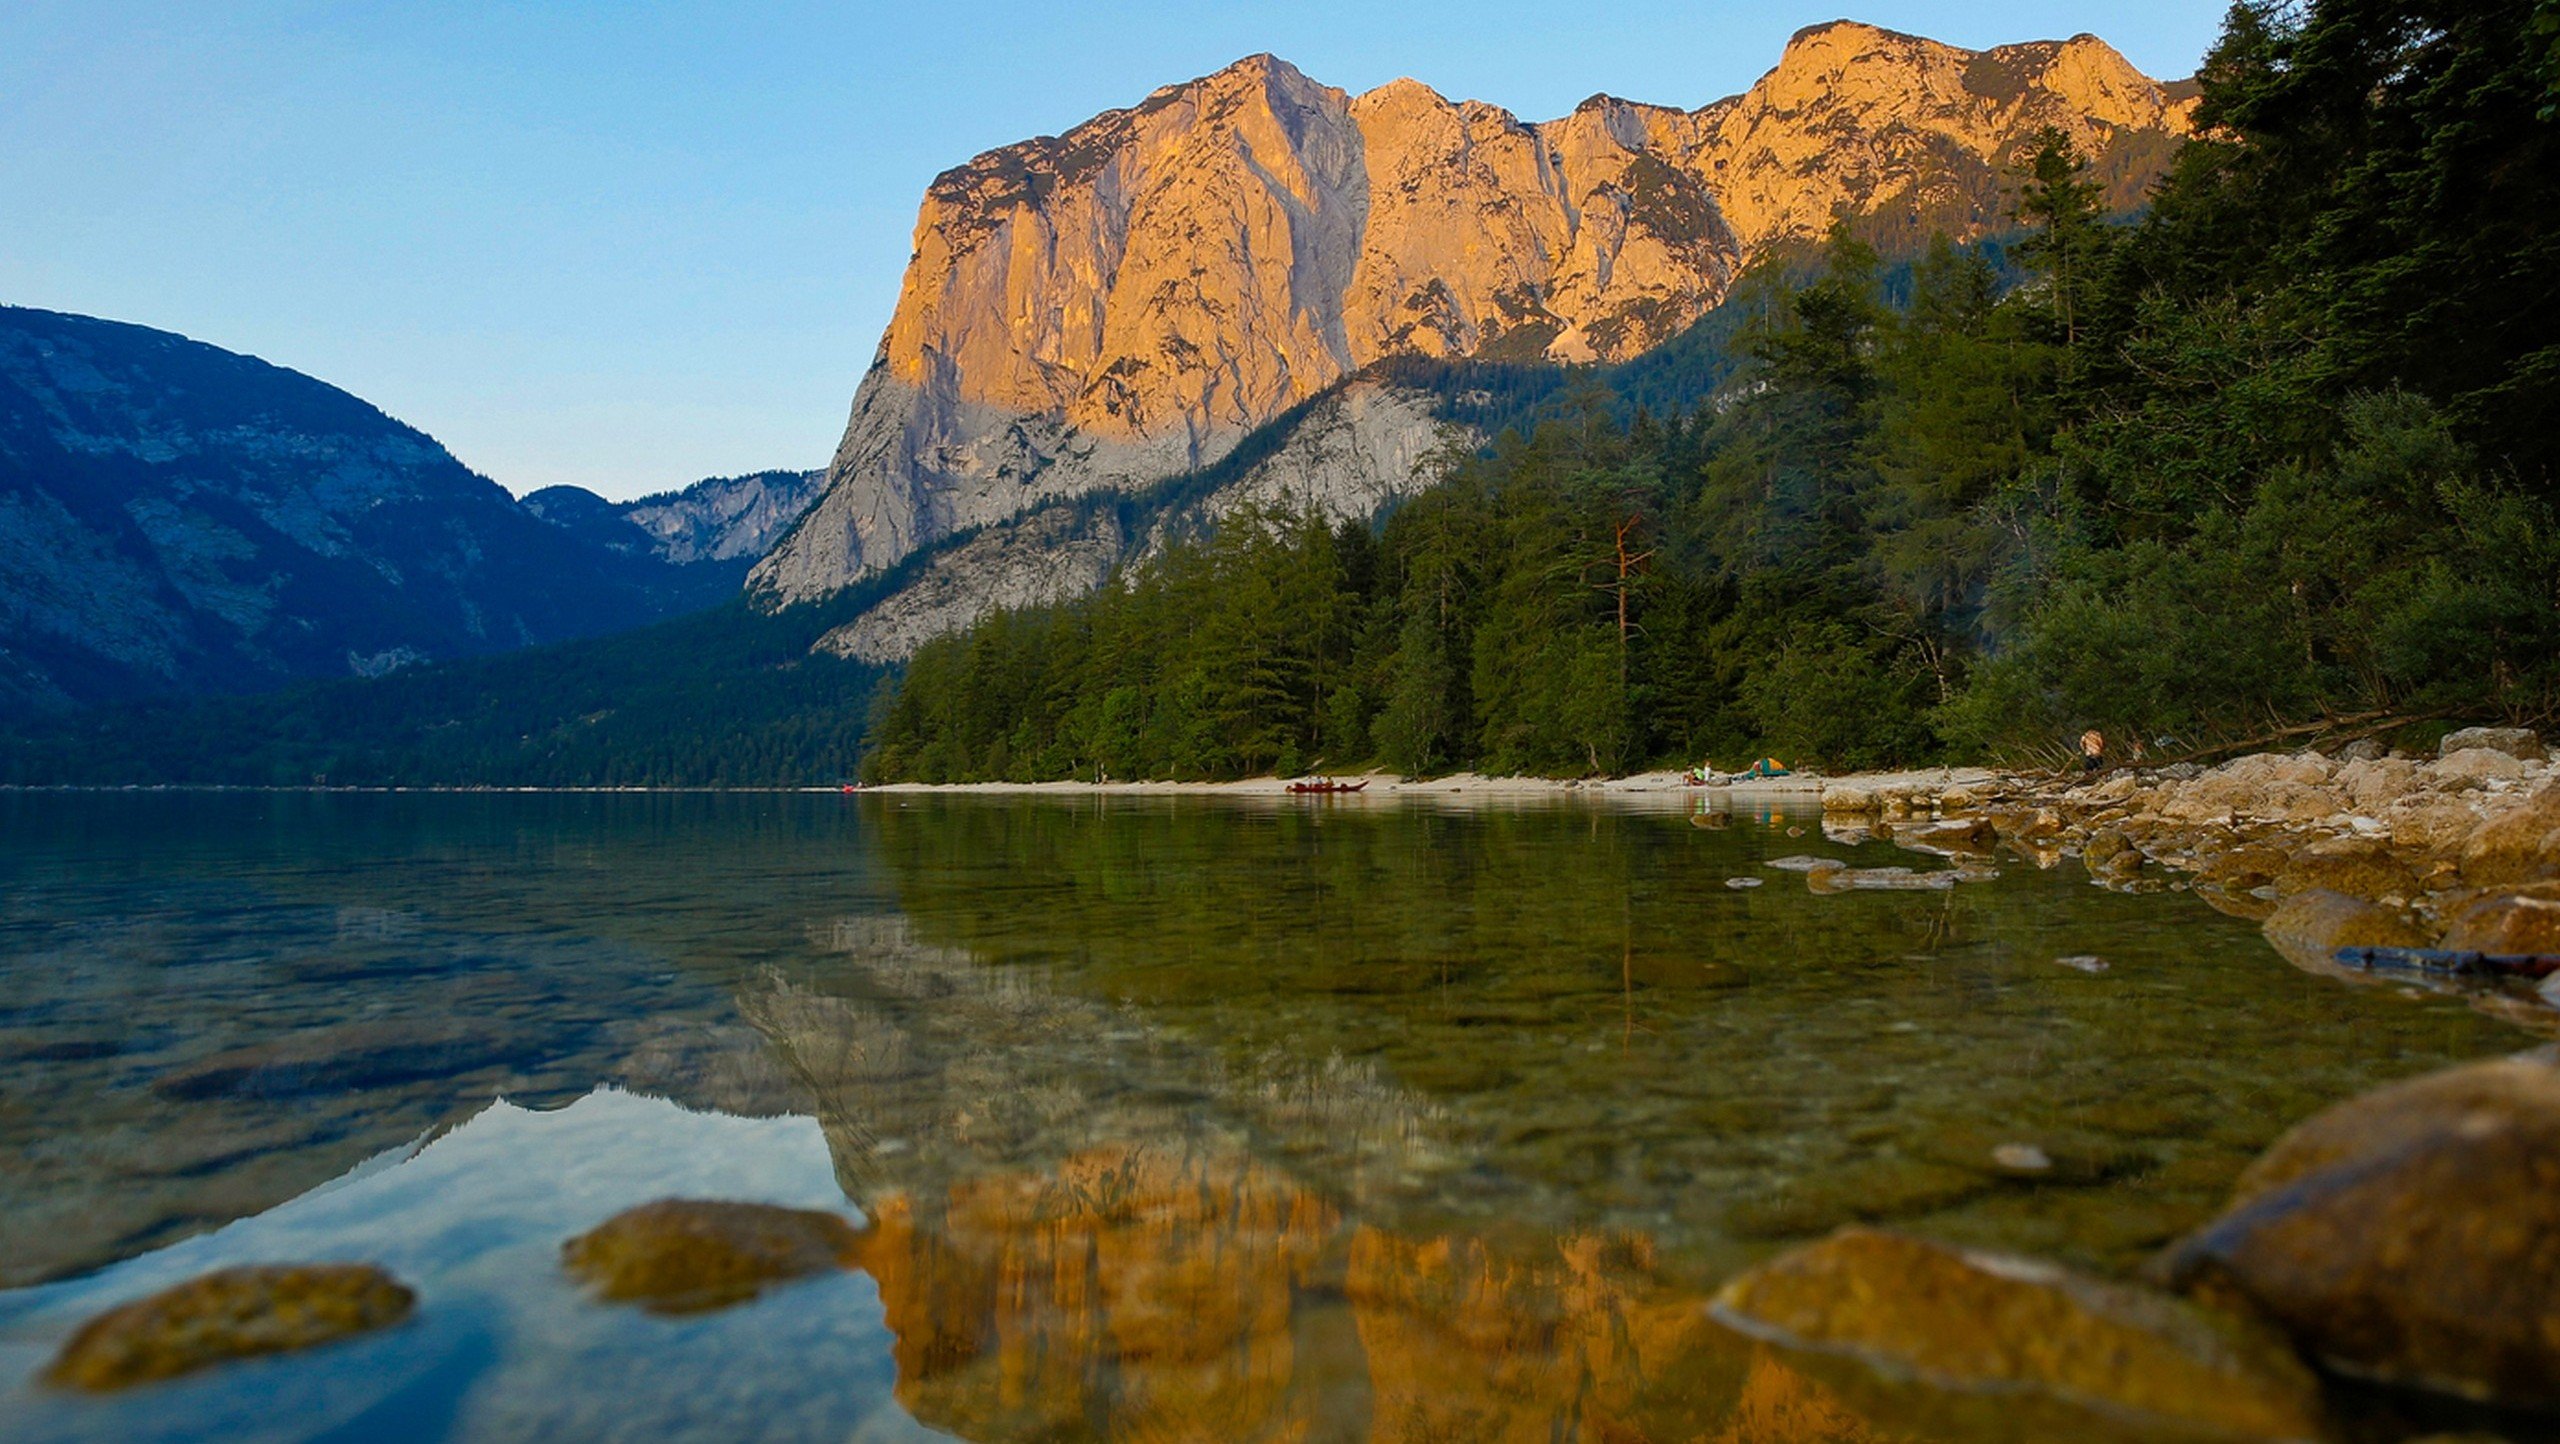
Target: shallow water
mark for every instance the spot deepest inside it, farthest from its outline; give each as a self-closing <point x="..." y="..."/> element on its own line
<point x="1170" y="1119"/>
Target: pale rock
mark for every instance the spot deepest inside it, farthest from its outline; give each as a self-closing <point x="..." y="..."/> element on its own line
<point x="1352" y="453"/>
<point x="2428" y="822"/>
<point x="1124" y="302"/>
<point x="2115" y="789"/>
<point x="2521" y="844"/>
<point x="2373" y="783"/>
<point x="2518" y="742"/>
<point x="1850" y="801"/>
<point x="2471" y="767"/>
<point x="1047" y="557"/>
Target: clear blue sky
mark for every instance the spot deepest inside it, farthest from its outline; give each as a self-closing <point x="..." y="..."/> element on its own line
<point x="631" y="244"/>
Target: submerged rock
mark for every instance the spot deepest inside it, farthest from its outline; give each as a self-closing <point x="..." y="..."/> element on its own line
<point x="1882" y="1189"/>
<point x="2069" y="1158"/>
<point x="2016" y="1330"/>
<point x="1972" y="835"/>
<point x="2411" y="1235"/>
<point x="2021" y="1158"/>
<point x="1878" y="879"/>
<point x="233" y="1313"/>
<point x="2083" y="963"/>
<point x="688" y="1255"/>
<point x="2310" y="927"/>
<point x="1804" y="864"/>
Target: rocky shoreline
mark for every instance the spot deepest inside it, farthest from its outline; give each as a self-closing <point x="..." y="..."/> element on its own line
<point x="2366" y="848"/>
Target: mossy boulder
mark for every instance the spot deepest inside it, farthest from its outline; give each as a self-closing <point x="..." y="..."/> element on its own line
<point x="690" y="1255"/>
<point x="2025" y="1334"/>
<point x="232" y="1313"/>
<point x="2411" y="1235"/>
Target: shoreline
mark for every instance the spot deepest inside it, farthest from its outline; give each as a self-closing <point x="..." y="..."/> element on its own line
<point x="1381" y="785"/>
<point x="1807" y="785"/>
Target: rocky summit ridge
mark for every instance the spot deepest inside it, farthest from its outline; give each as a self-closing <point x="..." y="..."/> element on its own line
<point x="1105" y="308"/>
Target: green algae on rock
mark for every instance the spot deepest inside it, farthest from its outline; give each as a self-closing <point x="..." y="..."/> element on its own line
<point x="2410" y="1236"/>
<point x="690" y="1255"/>
<point x="232" y="1313"/>
<point x="2028" y="1334"/>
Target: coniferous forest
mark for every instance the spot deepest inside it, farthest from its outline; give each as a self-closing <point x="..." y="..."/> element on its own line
<point x="2280" y="448"/>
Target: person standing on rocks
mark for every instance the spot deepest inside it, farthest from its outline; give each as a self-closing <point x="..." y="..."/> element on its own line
<point x="2093" y="749"/>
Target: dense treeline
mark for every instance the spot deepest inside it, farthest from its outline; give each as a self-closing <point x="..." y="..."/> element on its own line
<point x="2283" y="448"/>
<point x="729" y="697"/>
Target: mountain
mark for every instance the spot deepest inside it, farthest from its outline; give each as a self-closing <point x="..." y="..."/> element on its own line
<point x="722" y="523"/>
<point x="1104" y="309"/>
<point x="178" y="518"/>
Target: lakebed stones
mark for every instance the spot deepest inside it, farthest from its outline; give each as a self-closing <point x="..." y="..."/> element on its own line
<point x="1948" y="837"/>
<point x="1804" y="864"/>
<point x="233" y="1313"/>
<point x="2013" y="1332"/>
<point x="690" y="1255"/>
<point x="2411" y="1235"/>
<point x="1878" y="879"/>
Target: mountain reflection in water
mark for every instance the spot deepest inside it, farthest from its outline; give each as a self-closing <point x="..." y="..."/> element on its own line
<point x="1161" y="1123"/>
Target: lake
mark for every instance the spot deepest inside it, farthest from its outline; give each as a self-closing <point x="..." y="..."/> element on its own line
<point x="1161" y="1118"/>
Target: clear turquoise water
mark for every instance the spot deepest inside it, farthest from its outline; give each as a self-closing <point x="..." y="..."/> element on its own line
<point x="1166" y="1119"/>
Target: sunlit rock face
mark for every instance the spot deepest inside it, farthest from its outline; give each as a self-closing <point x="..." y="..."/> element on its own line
<point x="1123" y="302"/>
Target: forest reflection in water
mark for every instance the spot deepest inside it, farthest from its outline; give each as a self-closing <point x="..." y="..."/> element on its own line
<point x="1188" y="1120"/>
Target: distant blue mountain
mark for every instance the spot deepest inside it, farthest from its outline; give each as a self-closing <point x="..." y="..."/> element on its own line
<point x="176" y="518"/>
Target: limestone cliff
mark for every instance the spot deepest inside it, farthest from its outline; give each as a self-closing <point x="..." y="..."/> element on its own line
<point x="1346" y="456"/>
<point x="720" y="519"/>
<point x="1122" y="303"/>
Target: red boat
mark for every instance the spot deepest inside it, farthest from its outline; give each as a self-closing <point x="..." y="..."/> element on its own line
<point x="1327" y="784"/>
